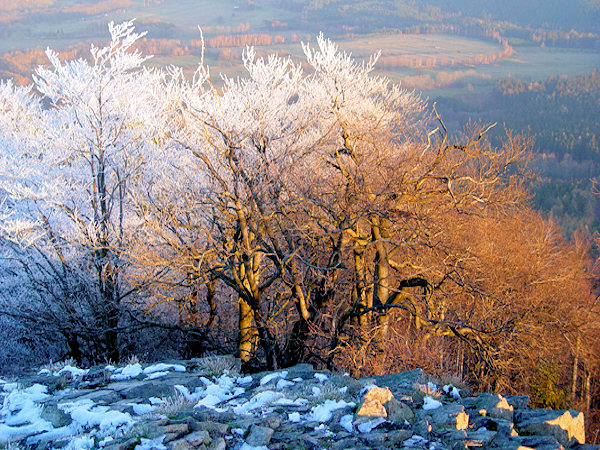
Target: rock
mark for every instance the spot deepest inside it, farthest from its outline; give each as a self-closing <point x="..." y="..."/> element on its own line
<point x="388" y="416"/>
<point x="123" y="445"/>
<point x="198" y="438"/>
<point x="490" y="405"/>
<point x="154" y="388"/>
<point x="504" y="427"/>
<point x="174" y="431"/>
<point x="371" y="408"/>
<point x="214" y="428"/>
<point x="382" y="395"/>
<point x="482" y="436"/>
<point x="181" y="444"/>
<point x="218" y="444"/>
<point x="259" y="436"/>
<point x="398" y="412"/>
<point x="401" y="384"/>
<point x="526" y="443"/>
<point x="567" y="426"/>
<point x="304" y="371"/>
<point x="374" y="439"/>
<point x="396" y="437"/>
<point x="55" y="416"/>
<point x="518" y="401"/>
<point x="450" y="416"/>
<point x="344" y="444"/>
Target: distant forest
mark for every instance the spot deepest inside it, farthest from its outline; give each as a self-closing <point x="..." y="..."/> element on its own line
<point x="562" y="114"/>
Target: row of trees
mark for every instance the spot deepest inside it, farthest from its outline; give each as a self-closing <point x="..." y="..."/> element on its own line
<point x="317" y="216"/>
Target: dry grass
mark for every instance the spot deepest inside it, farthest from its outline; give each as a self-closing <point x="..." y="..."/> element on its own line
<point x="54" y="367"/>
<point x="215" y="366"/>
<point x="174" y="404"/>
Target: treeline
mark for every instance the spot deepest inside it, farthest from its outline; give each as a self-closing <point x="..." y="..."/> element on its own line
<point x="239" y="40"/>
<point x="48" y="10"/>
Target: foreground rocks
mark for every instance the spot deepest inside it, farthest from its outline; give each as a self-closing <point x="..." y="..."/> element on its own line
<point x="207" y="404"/>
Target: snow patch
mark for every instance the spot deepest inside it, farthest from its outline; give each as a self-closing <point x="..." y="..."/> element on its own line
<point x="89" y="415"/>
<point x="74" y="371"/>
<point x="243" y="381"/>
<point x="321" y="377"/>
<point x="155" y="375"/>
<point x="273" y="376"/>
<point x="151" y="444"/>
<point x="9" y="387"/>
<point x="258" y="401"/>
<point x="282" y="384"/>
<point x="346" y="423"/>
<point x="139" y="409"/>
<point x="163" y="367"/>
<point x="322" y="413"/>
<point x="367" y="427"/>
<point x="430" y="403"/>
<point x="414" y="441"/>
<point x="452" y="391"/>
<point x="127" y="372"/>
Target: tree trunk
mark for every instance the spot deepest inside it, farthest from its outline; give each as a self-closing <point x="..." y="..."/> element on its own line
<point x="248" y="334"/>
<point x="379" y="229"/>
<point x="575" y="369"/>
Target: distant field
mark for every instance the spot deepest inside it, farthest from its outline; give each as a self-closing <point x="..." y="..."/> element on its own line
<point x="452" y="56"/>
<point x="422" y="45"/>
<point x="528" y="62"/>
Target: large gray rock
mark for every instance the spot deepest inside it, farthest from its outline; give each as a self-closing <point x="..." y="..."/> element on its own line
<point x="259" y="436"/>
<point x="398" y="412"/>
<point x="518" y="401"/>
<point x="490" y="405"/>
<point x="401" y="384"/>
<point x="55" y="416"/>
<point x="450" y="416"/>
<point x="567" y="426"/>
<point x="526" y="443"/>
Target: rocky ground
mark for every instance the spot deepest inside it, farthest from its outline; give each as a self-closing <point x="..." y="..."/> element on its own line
<point x="207" y="404"/>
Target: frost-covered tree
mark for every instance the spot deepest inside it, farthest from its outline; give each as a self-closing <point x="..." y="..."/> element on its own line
<point x="67" y="178"/>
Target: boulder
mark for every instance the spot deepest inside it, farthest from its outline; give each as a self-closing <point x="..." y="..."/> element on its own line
<point x="451" y="416"/>
<point x="259" y="436"/>
<point x="398" y="412"/>
<point x="518" y="401"/>
<point x="490" y="405"/>
<point x="371" y="408"/>
<point x="401" y="384"/>
<point x="198" y="438"/>
<point x="55" y="416"/>
<point x="567" y="426"/>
